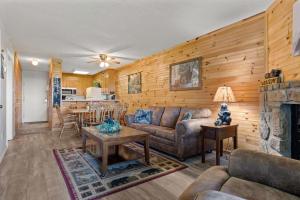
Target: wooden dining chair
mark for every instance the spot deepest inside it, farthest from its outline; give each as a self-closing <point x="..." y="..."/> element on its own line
<point x="92" y="117"/>
<point x="66" y="120"/>
<point x="120" y="112"/>
<point x="117" y="111"/>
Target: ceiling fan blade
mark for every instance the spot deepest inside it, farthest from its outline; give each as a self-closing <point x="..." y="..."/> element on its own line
<point x="93" y="58"/>
<point x="94" y="61"/>
<point x="118" y="48"/>
<point x="76" y="55"/>
<point x="113" y="62"/>
<point x="124" y="58"/>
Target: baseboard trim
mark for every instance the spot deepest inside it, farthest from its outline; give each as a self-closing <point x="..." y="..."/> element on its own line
<point x="3" y="154"/>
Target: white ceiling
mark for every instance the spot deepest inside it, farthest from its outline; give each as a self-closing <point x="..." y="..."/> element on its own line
<point x="128" y="28"/>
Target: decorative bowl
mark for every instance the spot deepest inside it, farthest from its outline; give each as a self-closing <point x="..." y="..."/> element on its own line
<point x="109" y="126"/>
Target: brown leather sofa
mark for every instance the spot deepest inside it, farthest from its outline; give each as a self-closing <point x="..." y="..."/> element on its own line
<point x="170" y="134"/>
<point x="249" y="175"/>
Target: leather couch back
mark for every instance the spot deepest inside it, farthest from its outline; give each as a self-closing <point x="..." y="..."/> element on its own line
<point x="275" y="171"/>
<point x="157" y="113"/>
<point x="197" y="113"/>
<point x="169" y="116"/>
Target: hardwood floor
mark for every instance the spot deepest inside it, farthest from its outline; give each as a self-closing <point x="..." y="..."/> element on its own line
<point x="29" y="171"/>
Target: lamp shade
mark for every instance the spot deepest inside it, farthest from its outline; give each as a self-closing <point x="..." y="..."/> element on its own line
<point x="224" y="94"/>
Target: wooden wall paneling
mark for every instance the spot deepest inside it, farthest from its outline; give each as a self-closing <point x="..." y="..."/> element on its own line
<point x="107" y="79"/>
<point x="279" y="39"/>
<point x="55" y="70"/>
<point x="81" y="82"/>
<point x="233" y="55"/>
<point x="17" y="92"/>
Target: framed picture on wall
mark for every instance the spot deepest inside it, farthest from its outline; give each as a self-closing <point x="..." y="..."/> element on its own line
<point x="296" y="29"/>
<point x="2" y="65"/>
<point x="135" y="83"/>
<point x="186" y="75"/>
<point x="56" y="91"/>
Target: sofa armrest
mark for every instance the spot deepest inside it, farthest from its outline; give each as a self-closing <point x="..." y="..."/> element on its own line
<point x="275" y="171"/>
<point x="129" y="119"/>
<point x="191" y="127"/>
<point x="211" y="179"/>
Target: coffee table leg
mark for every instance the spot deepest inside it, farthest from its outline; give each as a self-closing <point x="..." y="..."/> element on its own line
<point x="221" y="147"/>
<point x="104" y="158"/>
<point x="84" y="137"/>
<point x="203" y="147"/>
<point x="217" y="151"/>
<point x="117" y="150"/>
<point x="81" y="119"/>
<point x="146" y="149"/>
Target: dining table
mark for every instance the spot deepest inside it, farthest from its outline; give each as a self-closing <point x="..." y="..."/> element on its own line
<point x="80" y="113"/>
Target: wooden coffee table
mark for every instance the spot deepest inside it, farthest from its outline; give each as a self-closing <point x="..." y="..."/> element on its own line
<point x="126" y="135"/>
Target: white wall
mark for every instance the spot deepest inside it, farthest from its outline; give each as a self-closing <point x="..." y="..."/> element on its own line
<point x="3" y="140"/>
<point x="7" y="120"/>
<point x="10" y="127"/>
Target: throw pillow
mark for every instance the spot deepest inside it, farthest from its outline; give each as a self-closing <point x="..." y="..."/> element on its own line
<point x="187" y="116"/>
<point x="143" y="116"/>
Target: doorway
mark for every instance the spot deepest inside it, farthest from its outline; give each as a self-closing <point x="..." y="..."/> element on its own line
<point x="3" y="141"/>
<point x="35" y="85"/>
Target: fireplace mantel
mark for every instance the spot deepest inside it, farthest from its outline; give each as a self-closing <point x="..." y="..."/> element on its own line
<point x="275" y="117"/>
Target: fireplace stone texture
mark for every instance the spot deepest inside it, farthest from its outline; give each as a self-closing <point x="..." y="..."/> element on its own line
<point x="275" y="117"/>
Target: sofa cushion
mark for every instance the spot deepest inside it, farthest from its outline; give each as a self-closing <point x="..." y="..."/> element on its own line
<point x="201" y="113"/>
<point x="213" y="195"/>
<point x="143" y="116"/>
<point x="197" y="113"/>
<point x="157" y="113"/>
<point x="187" y="116"/>
<point x="165" y="132"/>
<point x="158" y="131"/>
<point x="170" y="117"/>
<point x="137" y="125"/>
<point x="275" y="171"/>
<point x="149" y="128"/>
<point x="252" y="190"/>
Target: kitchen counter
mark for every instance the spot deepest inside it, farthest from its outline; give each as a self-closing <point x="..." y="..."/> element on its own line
<point x="87" y="100"/>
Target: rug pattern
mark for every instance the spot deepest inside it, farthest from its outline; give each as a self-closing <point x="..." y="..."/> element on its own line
<point x="85" y="181"/>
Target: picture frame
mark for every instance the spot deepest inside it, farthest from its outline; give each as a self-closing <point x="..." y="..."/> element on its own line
<point x="186" y="75"/>
<point x="296" y="29"/>
<point x="57" y="91"/>
<point x="135" y="83"/>
<point x="2" y="65"/>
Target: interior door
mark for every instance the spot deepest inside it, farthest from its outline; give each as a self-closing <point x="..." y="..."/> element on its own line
<point x="2" y="111"/>
<point x="34" y="106"/>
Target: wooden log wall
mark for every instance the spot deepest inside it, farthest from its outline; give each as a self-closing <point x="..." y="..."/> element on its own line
<point x="279" y="39"/>
<point x="107" y="79"/>
<point x="234" y="55"/>
<point x="17" y="92"/>
<point x="81" y="82"/>
<point x="55" y="70"/>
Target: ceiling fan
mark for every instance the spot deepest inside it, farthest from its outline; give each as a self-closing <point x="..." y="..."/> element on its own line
<point x="103" y="60"/>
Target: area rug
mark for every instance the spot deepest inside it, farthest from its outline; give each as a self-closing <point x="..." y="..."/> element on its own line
<point x="85" y="181"/>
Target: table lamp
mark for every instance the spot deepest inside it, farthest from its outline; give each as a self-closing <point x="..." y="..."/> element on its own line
<point x="224" y="95"/>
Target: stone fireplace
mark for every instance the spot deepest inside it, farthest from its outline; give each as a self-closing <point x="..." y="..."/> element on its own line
<point x="280" y="119"/>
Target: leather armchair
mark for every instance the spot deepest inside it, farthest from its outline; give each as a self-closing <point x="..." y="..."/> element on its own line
<point x="250" y="175"/>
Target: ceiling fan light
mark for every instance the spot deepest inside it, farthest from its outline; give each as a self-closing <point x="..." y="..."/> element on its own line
<point x="102" y="64"/>
<point x="80" y="72"/>
<point x="106" y="64"/>
<point x="34" y="62"/>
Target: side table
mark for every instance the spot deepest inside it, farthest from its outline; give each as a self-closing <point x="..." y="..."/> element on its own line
<point x="218" y="133"/>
